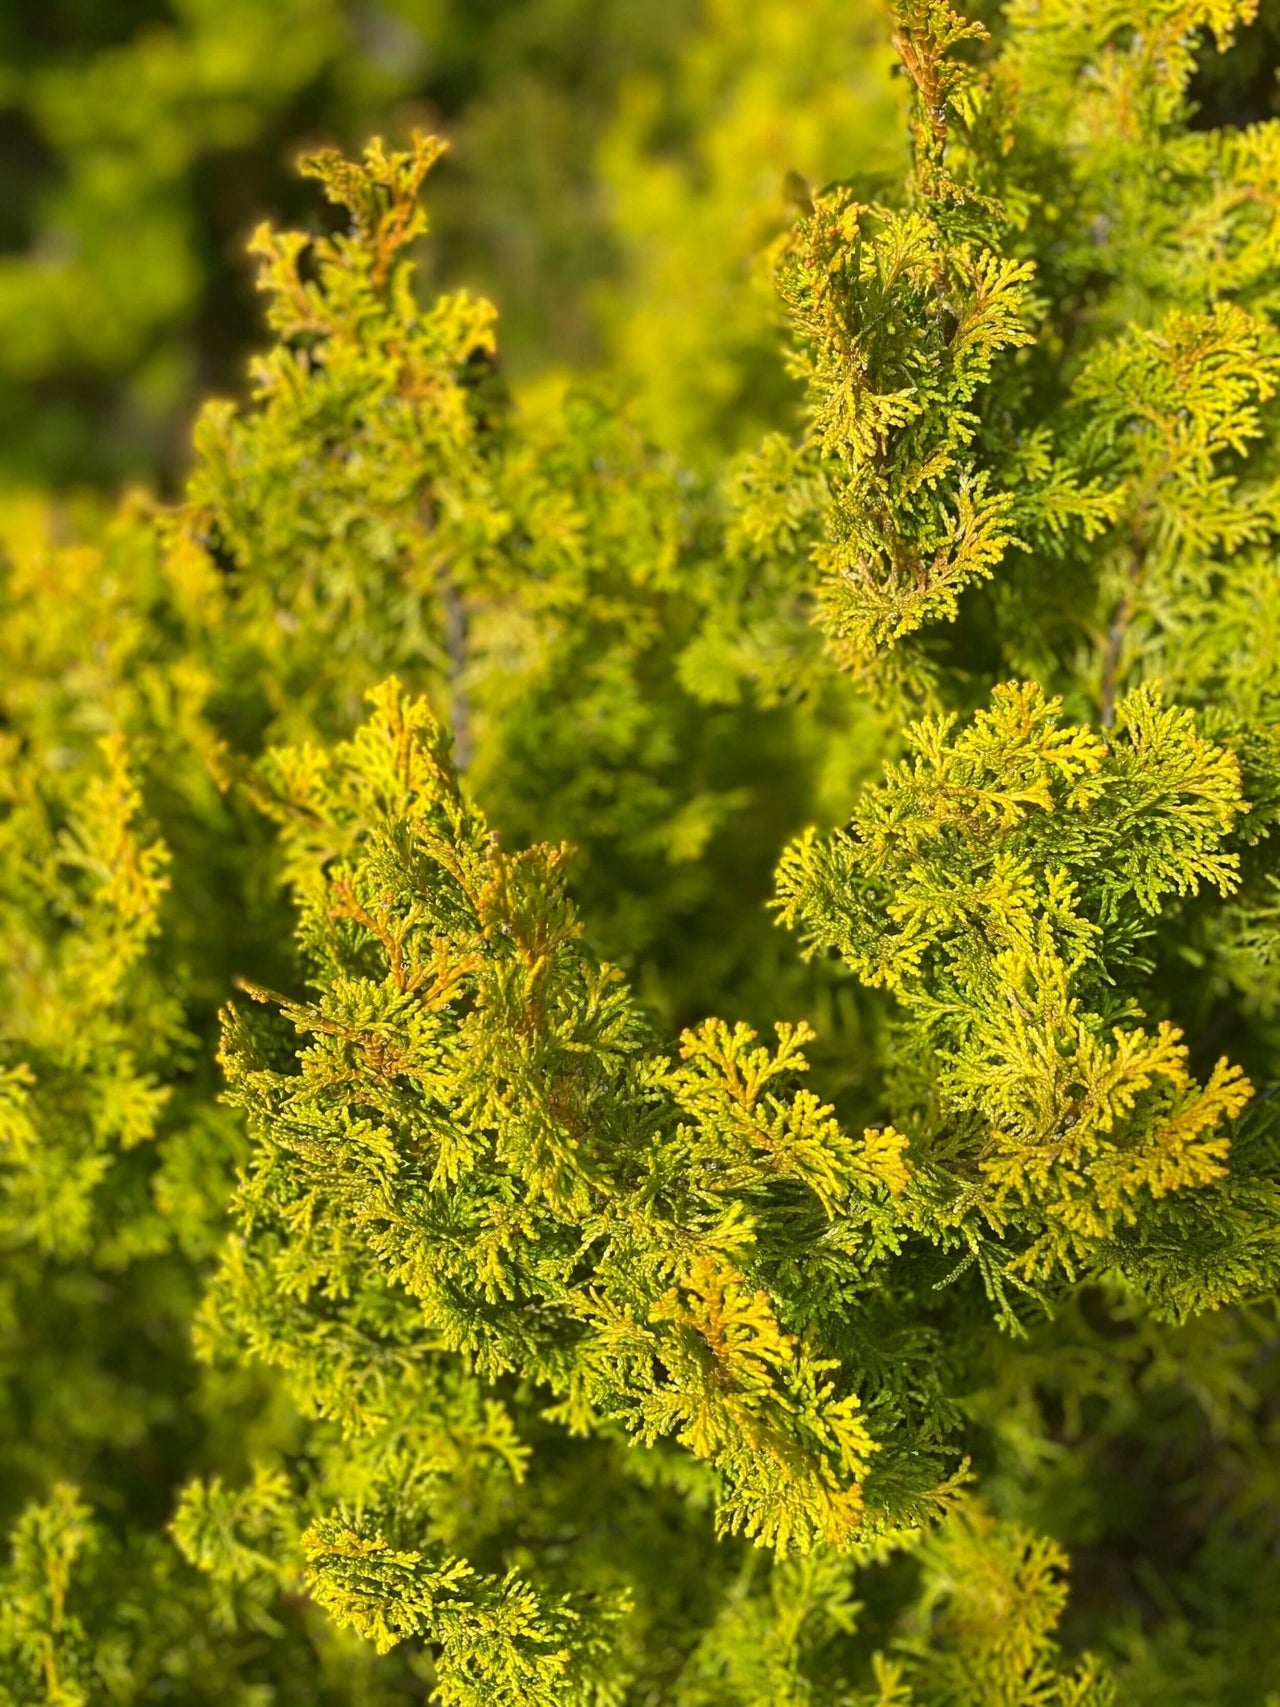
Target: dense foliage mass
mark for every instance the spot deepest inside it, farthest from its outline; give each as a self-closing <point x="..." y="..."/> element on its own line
<point x="638" y="1014"/>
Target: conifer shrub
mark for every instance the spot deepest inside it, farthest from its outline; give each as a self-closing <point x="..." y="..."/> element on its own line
<point x="637" y="1078"/>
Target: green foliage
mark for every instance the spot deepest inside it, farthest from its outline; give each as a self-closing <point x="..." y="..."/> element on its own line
<point x="985" y="1625"/>
<point x="486" y="1323"/>
<point x="81" y="1006"/>
<point x="1001" y="884"/>
<point x="546" y="1194"/>
<point x="1034" y="362"/>
<point x="618" y="170"/>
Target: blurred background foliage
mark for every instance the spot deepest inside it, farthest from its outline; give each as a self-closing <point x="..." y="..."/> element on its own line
<point x="617" y="174"/>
